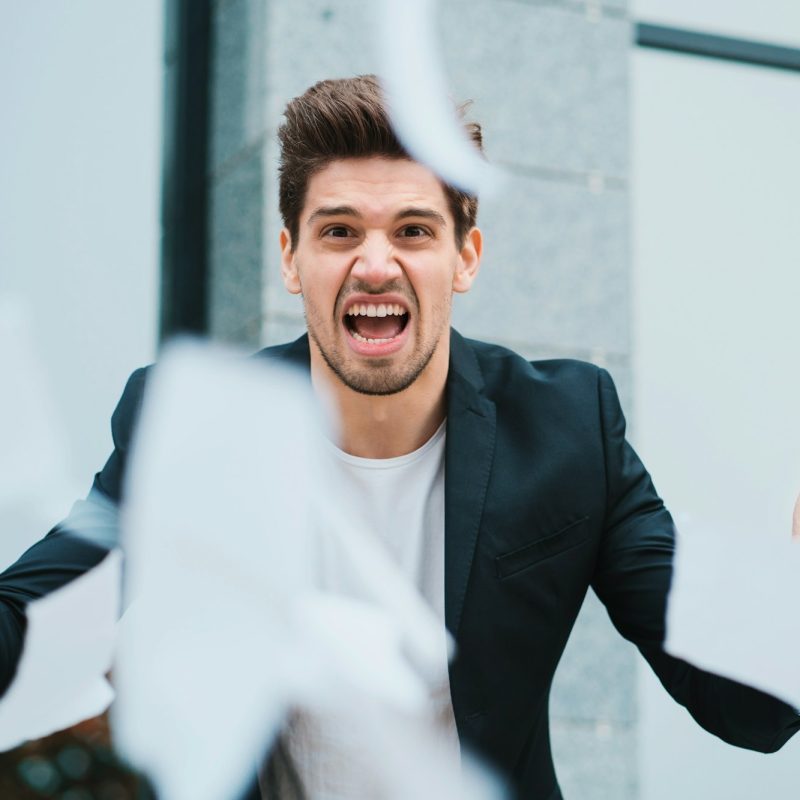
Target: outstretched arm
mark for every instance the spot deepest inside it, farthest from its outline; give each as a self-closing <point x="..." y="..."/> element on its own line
<point x="633" y="579"/>
<point x="75" y="545"/>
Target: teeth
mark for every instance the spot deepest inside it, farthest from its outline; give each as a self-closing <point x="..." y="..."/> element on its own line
<point x="361" y="338"/>
<point x="371" y="310"/>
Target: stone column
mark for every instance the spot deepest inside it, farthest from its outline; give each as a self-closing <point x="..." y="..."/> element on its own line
<point x="549" y="82"/>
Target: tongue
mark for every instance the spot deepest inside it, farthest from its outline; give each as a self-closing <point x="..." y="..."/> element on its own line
<point x="377" y="327"/>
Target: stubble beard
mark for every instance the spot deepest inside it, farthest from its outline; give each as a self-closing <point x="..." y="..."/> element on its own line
<point x="378" y="377"/>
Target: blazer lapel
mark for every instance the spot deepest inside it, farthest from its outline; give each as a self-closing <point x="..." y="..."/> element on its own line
<point x="471" y="431"/>
<point x="468" y="462"/>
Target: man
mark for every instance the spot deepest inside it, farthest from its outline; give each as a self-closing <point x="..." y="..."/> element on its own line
<point x="504" y="488"/>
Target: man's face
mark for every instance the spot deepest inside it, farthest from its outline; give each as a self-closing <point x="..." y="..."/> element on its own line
<point x="377" y="262"/>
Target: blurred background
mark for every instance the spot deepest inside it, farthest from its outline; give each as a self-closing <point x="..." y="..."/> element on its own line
<point x="651" y="224"/>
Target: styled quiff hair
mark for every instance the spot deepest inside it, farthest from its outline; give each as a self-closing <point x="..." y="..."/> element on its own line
<point x="347" y="118"/>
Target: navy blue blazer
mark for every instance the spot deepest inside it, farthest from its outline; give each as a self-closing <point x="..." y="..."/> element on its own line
<point x="544" y="497"/>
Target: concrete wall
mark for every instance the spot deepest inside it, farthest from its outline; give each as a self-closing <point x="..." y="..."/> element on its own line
<point x="550" y="85"/>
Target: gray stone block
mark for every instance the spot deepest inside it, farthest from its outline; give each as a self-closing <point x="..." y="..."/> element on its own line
<point x="588" y="8"/>
<point x="238" y="77"/>
<point x="595" y="761"/>
<point x="314" y="40"/>
<point x="555" y="269"/>
<point x="282" y="329"/>
<point x="621" y="6"/>
<point x="236" y="252"/>
<point x="277" y="301"/>
<point x="549" y="86"/>
<point x="596" y="673"/>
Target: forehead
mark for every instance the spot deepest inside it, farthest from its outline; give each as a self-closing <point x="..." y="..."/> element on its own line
<point x="376" y="187"/>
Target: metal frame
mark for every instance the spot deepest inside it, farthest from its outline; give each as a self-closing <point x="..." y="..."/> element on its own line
<point x="721" y="47"/>
<point x="184" y="209"/>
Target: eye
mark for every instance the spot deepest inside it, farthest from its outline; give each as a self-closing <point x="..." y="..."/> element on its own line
<point x="337" y="232"/>
<point x="414" y="232"/>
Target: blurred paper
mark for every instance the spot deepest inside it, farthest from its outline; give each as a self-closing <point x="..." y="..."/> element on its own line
<point x="355" y="563"/>
<point x="68" y="649"/>
<point x="362" y="647"/>
<point x="379" y="753"/>
<point x="251" y="594"/>
<point x="422" y="114"/>
<point x="33" y="465"/>
<point x="227" y="626"/>
<point x="216" y="536"/>
<point x="732" y="609"/>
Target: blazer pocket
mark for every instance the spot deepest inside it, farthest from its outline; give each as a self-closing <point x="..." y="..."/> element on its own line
<point x="517" y="560"/>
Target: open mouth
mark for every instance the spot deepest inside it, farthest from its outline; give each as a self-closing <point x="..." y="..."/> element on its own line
<point x="376" y="323"/>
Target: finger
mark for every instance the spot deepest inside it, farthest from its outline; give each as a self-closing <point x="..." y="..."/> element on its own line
<point x="796" y="520"/>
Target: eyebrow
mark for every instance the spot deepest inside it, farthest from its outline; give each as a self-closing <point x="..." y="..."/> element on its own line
<point x="323" y="212"/>
<point x="333" y="211"/>
<point x="423" y="213"/>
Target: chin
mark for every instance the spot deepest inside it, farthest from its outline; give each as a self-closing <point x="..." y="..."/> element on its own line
<point x="380" y="377"/>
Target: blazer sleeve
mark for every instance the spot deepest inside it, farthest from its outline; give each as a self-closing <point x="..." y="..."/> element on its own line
<point x="632" y="579"/>
<point x="75" y="545"/>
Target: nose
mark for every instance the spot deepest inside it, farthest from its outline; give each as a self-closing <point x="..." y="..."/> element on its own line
<point x="376" y="262"/>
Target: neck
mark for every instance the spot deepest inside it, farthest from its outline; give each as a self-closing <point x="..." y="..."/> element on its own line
<point x="386" y="426"/>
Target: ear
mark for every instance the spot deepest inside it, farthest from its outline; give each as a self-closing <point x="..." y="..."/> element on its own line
<point x="469" y="261"/>
<point x="291" y="280"/>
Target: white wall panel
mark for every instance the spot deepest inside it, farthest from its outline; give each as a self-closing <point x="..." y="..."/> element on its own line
<point x="80" y="97"/>
<point x="716" y="382"/>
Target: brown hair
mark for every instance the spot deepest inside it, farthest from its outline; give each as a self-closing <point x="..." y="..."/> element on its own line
<point x="347" y="118"/>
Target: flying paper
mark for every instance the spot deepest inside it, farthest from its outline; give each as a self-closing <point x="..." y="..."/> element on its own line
<point x="215" y="533"/>
<point x="732" y="608"/>
<point x="68" y="649"/>
<point x="228" y="527"/>
<point x="416" y="92"/>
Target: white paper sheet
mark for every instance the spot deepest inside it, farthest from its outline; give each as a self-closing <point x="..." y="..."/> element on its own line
<point x="68" y="649"/>
<point x="416" y="89"/>
<point x="226" y="526"/>
<point x="214" y="535"/>
<point x="732" y="608"/>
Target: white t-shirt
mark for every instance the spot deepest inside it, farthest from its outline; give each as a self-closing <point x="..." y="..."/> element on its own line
<point x="400" y="500"/>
